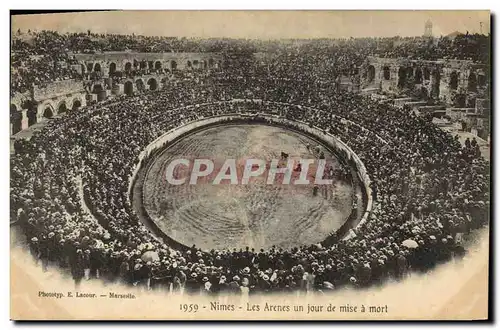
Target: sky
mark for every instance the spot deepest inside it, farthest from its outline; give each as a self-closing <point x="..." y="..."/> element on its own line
<point x="259" y="24"/>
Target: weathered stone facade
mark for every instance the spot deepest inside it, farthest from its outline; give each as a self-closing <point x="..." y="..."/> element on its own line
<point x="453" y="84"/>
<point x="41" y="103"/>
<point x="111" y="62"/>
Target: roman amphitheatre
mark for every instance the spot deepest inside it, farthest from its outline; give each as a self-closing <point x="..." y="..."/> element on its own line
<point x="403" y="121"/>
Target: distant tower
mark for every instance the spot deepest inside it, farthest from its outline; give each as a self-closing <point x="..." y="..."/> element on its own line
<point x="428" y="29"/>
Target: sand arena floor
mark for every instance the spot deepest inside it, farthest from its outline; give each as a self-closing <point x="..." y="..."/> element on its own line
<point x="257" y="215"/>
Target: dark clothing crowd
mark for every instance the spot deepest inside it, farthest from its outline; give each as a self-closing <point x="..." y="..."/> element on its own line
<point x="70" y="186"/>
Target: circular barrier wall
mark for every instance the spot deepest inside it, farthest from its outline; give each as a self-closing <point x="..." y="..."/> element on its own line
<point x="156" y="148"/>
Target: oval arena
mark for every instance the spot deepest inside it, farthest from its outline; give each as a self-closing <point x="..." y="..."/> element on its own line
<point x="102" y="128"/>
<point x="257" y="214"/>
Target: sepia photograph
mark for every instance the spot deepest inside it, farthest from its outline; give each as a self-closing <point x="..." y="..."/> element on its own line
<point x="250" y="165"/>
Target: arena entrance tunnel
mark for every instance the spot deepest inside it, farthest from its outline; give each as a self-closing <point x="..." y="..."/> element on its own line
<point x="156" y="148"/>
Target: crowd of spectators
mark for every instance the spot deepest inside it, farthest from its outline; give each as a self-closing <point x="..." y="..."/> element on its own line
<point x="44" y="56"/>
<point x="429" y="191"/>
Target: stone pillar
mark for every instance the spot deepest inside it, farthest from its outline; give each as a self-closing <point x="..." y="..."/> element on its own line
<point x="39" y="114"/>
<point x="24" y="120"/>
<point x="121" y="89"/>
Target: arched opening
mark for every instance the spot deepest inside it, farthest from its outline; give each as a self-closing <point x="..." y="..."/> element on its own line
<point x="195" y="64"/>
<point x="16" y="118"/>
<point x="136" y="63"/>
<point x="128" y="67"/>
<point x="418" y="76"/>
<point x="210" y="62"/>
<point x="173" y="65"/>
<point x="436" y="81"/>
<point x="387" y="73"/>
<point x="401" y="77"/>
<point x="150" y="65"/>
<point x="76" y="104"/>
<point x="153" y="84"/>
<point x="62" y="108"/>
<point x="424" y="94"/>
<point x="47" y="113"/>
<point x="371" y="73"/>
<point x="189" y="64"/>
<point x="90" y="66"/>
<point x="204" y="64"/>
<point x="471" y="102"/>
<point x="472" y="83"/>
<point x="31" y="114"/>
<point x="97" y="67"/>
<point x="139" y="84"/>
<point x="409" y="72"/>
<point x="112" y="68"/>
<point x="129" y="88"/>
<point x="143" y="65"/>
<point x="460" y="101"/>
<point x="427" y="74"/>
<point x="99" y="90"/>
<point x="454" y="80"/>
<point x="481" y="80"/>
<point x="157" y="65"/>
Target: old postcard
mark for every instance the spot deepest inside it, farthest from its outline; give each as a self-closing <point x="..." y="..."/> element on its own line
<point x="250" y="165"/>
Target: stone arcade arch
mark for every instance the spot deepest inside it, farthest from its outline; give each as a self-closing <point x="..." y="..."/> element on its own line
<point x="76" y="104"/>
<point x="189" y="64"/>
<point x="16" y="119"/>
<point x="454" y="80"/>
<point x="460" y="100"/>
<point x="204" y="64"/>
<point x="112" y="68"/>
<point x="31" y="114"/>
<point x="401" y="77"/>
<point x="90" y="67"/>
<point x="173" y="65"/>
<point x="128" y="67"/>
<point x="47" y="112"/>
<point x="424" y="94"/>
<point x="151" y="65"/>
<point x="472" y="82"/>
<point x="418" y="76"/>
<point x="371" y="73"/>
<point x="139" y="84"/>
<point x="210" y="62"/>
<point x="152" y="84"/>
<point x="143" y="64"/>
<point x="409" y="72"/>
<point x="128" y="88"/>
<point x="99" y="90"/>
<point x="157" y="65"/>
<point x="481" y="80"/>
<point x="436" y="81"/>
<point x="196" y="64"/>
<point x="62" y="107"/>
<point x="387" y="73"/>
<point x="97" y="67"/>
<point x="427" y="74"/>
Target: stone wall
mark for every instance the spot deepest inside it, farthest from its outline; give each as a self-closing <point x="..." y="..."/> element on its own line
<point x="123" y="61"/>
